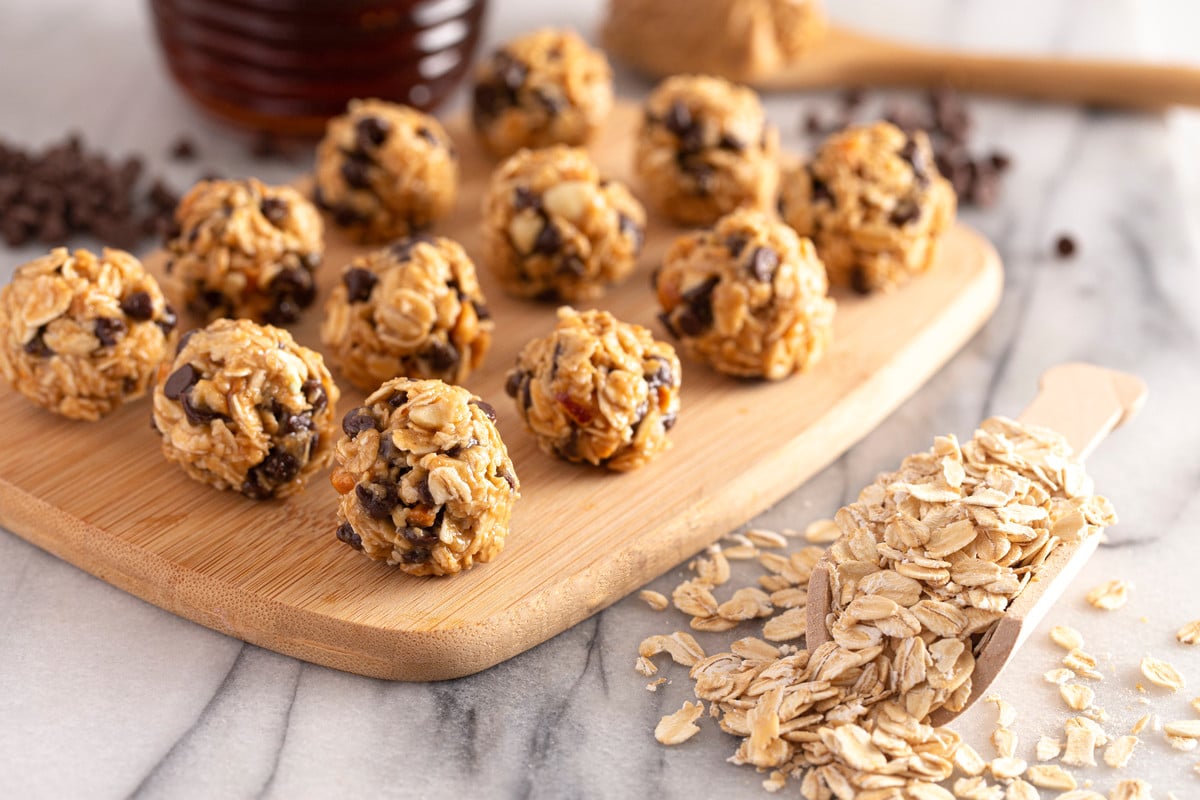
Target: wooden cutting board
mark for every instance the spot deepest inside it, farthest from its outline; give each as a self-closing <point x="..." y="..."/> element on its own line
<point x="101" y="496"/>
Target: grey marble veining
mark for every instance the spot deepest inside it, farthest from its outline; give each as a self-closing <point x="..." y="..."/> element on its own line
<point x="102" y="695"/>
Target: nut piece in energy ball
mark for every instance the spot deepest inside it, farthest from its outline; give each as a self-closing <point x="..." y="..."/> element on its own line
<point x="704" y="149"/>
<point x="245" y="249"/>
<point x="413" y="309"/>
<point x="553" y="229"/>
<point x="748" y="297"/>
<point x="874" y="204"/>
<point x="385" y="170"/>
<point x="547" y="87"/>
<point x="80" y="335"/>
<point x="243" y="407"/>
<point x="598" y="390"/>
<point x="425" y="479"/>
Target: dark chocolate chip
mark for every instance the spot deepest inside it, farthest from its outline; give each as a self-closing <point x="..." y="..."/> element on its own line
<point x="511" y="71"/>
<point x="548" y="240"/>
<point x="359" y="283"/>
<point x="915" y="156"/>
<point x="169" y="320"/>
<point x="358" y="420"/>
<point x="376" y="499"/>
<point x="417" y="555"/>
<point x="403" y="249"/>
<point x="629" y="227"/>
<point x="665" y="319"/>
<point x="442" y="356"/>
<point x="734" y="244"/>
<point x="663" y="375"/>
<point x="487" y="101"/>
<point x="482" y="312"/>
<point x="278" y="467"/>
<point x="108" y="330"/>
<point x="370" y="132"/>
<point x="509" y="478"/>
<point x="860" y="279"/>
<point x="398" y="398"/>
<point x="668" y="420"/>
<point x="37" y="345"/>
<point x="512" y="383"/>
<point x="423" y="536"/>
<point x="553" y="102"/>
<point x="697" y="315"/>
<point x="1065" y="246"/>
<point x="356" y="172"/>
<point x="181" y="380"/>
<point x="275" y="210"/>
<point x="487" y="408"/>
<point x="196" y="414"/>
<point x="299" y="423"/>
<point x="388" y="449"/>
<point x="138" y="306"/>
<point x="731" y="142"/>
<point x="820" y="191"/>
<point x="1000" y="161"/>
<point x="345" y="533"/>
<point x="183" y="340"/>
<point x="255" y="490"/>
<point x="763" y="263"/>
<point x="678" y="119"/>
<point x="572" y="265"/>
<point x="183" y="149"/>
<point x="524" y="198"/>
<point x="423" y="491"/>
<point x="315" y="394"/>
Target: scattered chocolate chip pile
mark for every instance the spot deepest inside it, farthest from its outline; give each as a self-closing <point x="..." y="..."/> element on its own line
<point x="944" y="116"/>
<point x="66" y="189"/>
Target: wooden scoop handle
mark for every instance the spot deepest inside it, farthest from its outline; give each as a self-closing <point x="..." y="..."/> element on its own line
<point x="1083" y="402"/>
<point x="849" y="58"/>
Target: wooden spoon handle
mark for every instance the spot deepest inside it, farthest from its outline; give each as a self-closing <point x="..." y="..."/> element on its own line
<point x="849" y="58"/>
<point x="1083" y="402"/>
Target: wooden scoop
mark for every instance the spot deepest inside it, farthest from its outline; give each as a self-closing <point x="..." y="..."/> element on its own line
<point x="1083" y="403"/>
<point x="847" y="58"/>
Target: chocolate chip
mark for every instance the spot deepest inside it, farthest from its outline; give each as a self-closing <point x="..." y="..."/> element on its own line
<point x="442" y="356"/>
<point x="512" y="383"/>
<point x="487" y="101"/>
<point x="376" y="499"/>
<point x="679" y="118"/>
<point x="299" y="423"/>
<point x="860" y="279"/>
<point x="428" y="136"/>
<point x="906" y="211"/>
<point x="253" y="489"/>
<point x="572" y="265"/>
<point x="180" y="381"/>
<point x="1000" y="161"/>
<point x="820" y="192"/>
<point x="524" y="198"/>
<point x="275" y="210"/>
<point x="37" y="345"/>
<point x="278" y="467"/>
<point x="703" y="176"/>
<point x="1065" y="246"/>
<point x="315" y="394"/>
<point x="183" y="340"/>
<point x="108" y="329"/>
<point x="665" y="319"/>
<point x="548" y="240"/>
<point x="293" y="290"/>
<point x="487" y="408"/>
<point x="403" y="249"/>
<point x="553" y="102"/>
<point x="398" y="398"/>
<point x="509" y="478"/>
<point x="389" y="451"/>
<point x="662" y="376"/>
<point x="169" y="320"/>
<point x="183" y="149"/>
<point x="482" y="312"/>
<point x="370" y="132"/>
<point x="763" y="263"/>
<point x="424" y="536"/>
<point x="423" y="492"/>
<point x="358" y="420"/>
<point x="356" y="171"/>
<point x="668" y="420"/>
<point x="512" y="72"/>
<point x="730" y="142"/>
<point x="696" y="316"/>
<point x="345" y="533"/>
<point x="629" y="227"/>
<point x="359" y="283"/>
<point x="198" y="415"/>
<point x="138" y="306"/>
<point x="415" y="556"/>
<point x="348" y="217"/>
<point x="915" y="156"/>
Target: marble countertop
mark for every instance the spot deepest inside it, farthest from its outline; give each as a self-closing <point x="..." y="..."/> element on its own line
<point x="105" y="696"/>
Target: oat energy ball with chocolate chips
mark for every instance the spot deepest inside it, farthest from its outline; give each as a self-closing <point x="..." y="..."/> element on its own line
<point x="413" y="309"/>
<point x="385" y="170"/>
<point x="704" y="149"/>
<point x="748" y="297"/>
<point x="425" y="479"/>
<point x="598" y="390"/>
<point x="553" y="229"/>
<point x="245" y="249"/>
<point x="243" y="407"/>
<point x="80" y="335"/>
<point x="873" y="202"/>
<point x="547" y="87"/>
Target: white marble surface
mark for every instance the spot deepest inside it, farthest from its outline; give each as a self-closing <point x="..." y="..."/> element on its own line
<point x="102" y="695"/>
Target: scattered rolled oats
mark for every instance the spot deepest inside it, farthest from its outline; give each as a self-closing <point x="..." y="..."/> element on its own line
<point x="1189" y="633"/>
<point x="679" y="727"/>
<point x="653" y="685"/>
<point x="1081" y="794"/>
<point x="1196" y="704"/>
<point x="1048" y="748"/>
<point x="1161" y="673"/>
<point x="1083" y="664"/>
<point x="1119" y="751"/>
<point x="645" y="666"/>
<point x="776" y="781"/>
<point x="1007" y="768"/>
<point x="1006" y="715"/>
<point x="1066" y="637"/>
<point x="1005" y="742"/>
<point x="823" y="531"/>
<point x="655" y="600"/>
<point x="968" y="760"/>
<point x="1184" y="743"/>
<point x="1081" y="743"/>
<point x="746" y="603"/>
<point x="1051" y="776"/>
<point x="1140" y="725"/>
<point x="922" y="790"/>
<point x="765" y="538"/>
<point x="1059" y="676"/>
<point x="977" y="789"/>
<point x="1020" y="790"/>
<point x="1131" y="789"/>
<point x="680" y="645"/>
<point x="1110" y="595"/>
<point x="1077" y="696"/>
<point x="791" y="624"/>
<point x="1188" y="728"/>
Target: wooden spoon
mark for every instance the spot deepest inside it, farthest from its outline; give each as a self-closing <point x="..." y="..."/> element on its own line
<point x="1083" y="403"/>
<point x="846" y="58"/>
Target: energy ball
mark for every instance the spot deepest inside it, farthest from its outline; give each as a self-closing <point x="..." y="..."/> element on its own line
<point x="243" y="407"/>
<point x="385" y="170"/>
<point x="598" y="390"/>
<point x="704" y="149"/>
<point x="80" y="335"/>
<point x="547" y="87"/>
<point x="748" y="297"/>
<point x="874" y="204"/>
<point x="553" y="229"/>
<point x="413" y="309"/>
<point x="425" y="480"/>
<point x="245" y="249"/>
